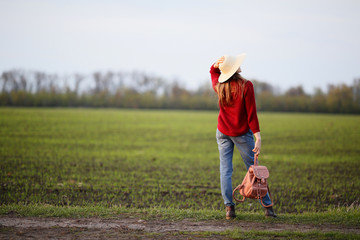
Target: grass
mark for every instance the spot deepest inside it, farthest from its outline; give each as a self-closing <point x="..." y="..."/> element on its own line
<point x="142" y="159"/>
<point x="339" y="216"/>
<point x="265" y="235"/>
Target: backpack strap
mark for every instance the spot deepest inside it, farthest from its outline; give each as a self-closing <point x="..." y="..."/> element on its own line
<point x="256" y="161"/>
<point x="261" y="200"/>
<point x="238" y="188"/>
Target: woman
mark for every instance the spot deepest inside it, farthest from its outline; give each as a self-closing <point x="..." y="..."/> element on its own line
<point x="237" y="124"/>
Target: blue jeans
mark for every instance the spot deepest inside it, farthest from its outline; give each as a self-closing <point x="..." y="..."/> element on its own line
<point x="245" y="144"/>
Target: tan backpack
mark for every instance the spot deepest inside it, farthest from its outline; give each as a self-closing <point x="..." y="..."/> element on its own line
<point x="254" y="184"/>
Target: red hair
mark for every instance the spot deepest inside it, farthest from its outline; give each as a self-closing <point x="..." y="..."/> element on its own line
<point x="230" y="90"/>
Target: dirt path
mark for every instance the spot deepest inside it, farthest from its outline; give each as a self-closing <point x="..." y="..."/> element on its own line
<point x="135" y="228"/>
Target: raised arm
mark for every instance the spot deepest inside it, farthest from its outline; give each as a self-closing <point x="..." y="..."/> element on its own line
<point x="215" y="72"/>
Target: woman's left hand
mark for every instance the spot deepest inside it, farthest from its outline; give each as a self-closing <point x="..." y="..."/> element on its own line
<point x="257" y="147"/>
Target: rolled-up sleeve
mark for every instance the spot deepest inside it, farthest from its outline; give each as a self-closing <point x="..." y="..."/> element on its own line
<point x="215" y="73"/>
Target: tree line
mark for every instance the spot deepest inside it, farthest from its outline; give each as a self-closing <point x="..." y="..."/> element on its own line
<point x="141" y="90"/>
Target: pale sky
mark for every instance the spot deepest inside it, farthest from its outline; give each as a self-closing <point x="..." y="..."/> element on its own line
<point x="309" y="42"/>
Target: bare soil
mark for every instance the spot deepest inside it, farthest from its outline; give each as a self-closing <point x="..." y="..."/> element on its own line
<point x="125" y="227"/>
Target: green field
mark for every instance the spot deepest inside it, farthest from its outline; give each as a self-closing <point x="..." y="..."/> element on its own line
<point x="143" y="159"/>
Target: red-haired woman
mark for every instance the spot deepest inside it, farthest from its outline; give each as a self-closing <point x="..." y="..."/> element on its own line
<point x="237" y="124"/>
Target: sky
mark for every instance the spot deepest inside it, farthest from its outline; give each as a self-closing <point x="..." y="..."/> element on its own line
<point x="311" y="43"/>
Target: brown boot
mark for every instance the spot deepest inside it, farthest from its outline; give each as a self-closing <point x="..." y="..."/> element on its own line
<point x="269" y="212"/>
<point x="230" y="212"/>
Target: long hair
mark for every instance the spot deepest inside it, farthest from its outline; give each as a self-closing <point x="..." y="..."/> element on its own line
<point x="230" y="90"/>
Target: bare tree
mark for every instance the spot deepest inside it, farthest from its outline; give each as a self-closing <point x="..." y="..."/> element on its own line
<point x="5" y="80"/>
<point x="295" y="91"/>
<point x="39" y="81"/>
<point x="262" y="87"/>
<point x="107" y="81"/>
<point x="23" y="82"/>
<point x="103" y="82"/>
<point x="78" y="79"/>
<point x="52" y="82"/>
<point x="356" y="91"/>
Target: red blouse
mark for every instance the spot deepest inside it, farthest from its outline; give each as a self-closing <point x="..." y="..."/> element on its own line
<point x="237" y="119"/>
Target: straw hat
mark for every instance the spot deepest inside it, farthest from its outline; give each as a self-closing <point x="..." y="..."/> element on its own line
<point x="230" y="65"/>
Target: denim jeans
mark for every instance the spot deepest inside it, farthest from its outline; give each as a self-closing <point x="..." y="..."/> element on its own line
<point x="245" y="144"/>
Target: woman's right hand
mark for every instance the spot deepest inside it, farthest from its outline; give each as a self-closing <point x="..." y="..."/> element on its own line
<point x="220" y="60"/>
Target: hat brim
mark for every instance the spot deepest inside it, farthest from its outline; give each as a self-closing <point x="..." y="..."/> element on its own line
<point x="239" y="60"/>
